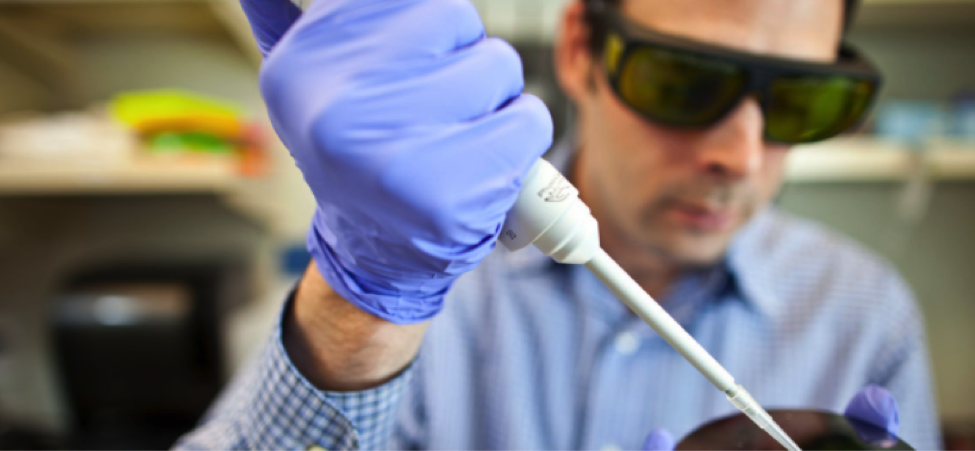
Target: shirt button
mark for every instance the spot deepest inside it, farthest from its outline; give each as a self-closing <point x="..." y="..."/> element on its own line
<point x="610" y="447"/>
<point x="627" y="343"/>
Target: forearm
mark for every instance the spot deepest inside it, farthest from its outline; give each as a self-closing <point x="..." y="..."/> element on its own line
<point x="272" y="404"/>
<point x="337" y="346"/>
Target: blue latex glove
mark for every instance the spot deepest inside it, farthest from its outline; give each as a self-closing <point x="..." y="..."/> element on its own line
<point x="410" y="128"/>
<point x="659" y="439"/>
<point x="875" y="406"/>
<point x="269" y="20"/>
<point x="872" y="405"/>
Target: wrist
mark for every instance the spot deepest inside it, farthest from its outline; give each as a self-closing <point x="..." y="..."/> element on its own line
<point x="396" y="296"/>
<point x="339" y="347"/>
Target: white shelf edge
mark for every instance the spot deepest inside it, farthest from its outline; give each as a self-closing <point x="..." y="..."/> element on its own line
<point x="143" y="177"/>
<point x="137" y="177"/>
<point x="868" y="160"/>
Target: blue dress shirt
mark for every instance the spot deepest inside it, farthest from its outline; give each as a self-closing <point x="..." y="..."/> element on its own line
<point x="531" y="354"/>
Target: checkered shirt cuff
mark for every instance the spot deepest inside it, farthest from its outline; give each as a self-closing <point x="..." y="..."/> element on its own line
<point x="288" y="412"/>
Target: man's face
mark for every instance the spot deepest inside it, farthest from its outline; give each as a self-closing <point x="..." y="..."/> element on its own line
<point x="682" y="194"/>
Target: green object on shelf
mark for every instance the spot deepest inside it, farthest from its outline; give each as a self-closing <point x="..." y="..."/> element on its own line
<point x="171" y="142"/>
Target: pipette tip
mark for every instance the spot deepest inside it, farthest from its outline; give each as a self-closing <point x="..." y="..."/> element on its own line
<point x="780" y="436"/>
<point x="744" y="402"/>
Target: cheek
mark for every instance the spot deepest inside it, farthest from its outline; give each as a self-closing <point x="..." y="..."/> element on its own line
<point x="628" y="156"/>
<point x="634" y="147"/>
<point x="637" y="164"/>
<point x="773" y="172"/>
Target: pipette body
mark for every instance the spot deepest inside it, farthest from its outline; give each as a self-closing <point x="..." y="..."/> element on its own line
<point x="549" y="215"/>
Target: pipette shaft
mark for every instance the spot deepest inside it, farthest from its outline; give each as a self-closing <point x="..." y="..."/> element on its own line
<point x="625" y="288"/>
<point x="549" y="215"/>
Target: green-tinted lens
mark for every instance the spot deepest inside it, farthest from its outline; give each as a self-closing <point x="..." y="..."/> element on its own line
<point x="813" y="108"/>
<point x="679" y="88"/>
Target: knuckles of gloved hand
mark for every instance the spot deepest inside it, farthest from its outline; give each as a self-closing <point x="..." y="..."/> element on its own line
<point x="411" y="130"/>
<point x="426" y="87"/>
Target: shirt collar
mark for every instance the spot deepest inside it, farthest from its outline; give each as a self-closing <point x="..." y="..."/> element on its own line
<point x="744" y="268"/>
<point x="749" y="260"/>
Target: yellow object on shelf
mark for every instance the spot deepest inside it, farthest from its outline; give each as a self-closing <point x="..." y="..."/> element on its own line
<point x="172" y="110"/>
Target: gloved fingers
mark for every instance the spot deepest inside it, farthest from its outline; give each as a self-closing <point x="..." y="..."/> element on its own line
<point x="659" y="439"/>
<point x="876" y="406"/>
<point x="475" y="171"/>
<point x="397" y="28"/>
<point x="470" y="83"/>
<point x="269" y="20"/>
<point x="388" y="60"/>
<point x="524" y="128"/>
<point x="475" y="81"/>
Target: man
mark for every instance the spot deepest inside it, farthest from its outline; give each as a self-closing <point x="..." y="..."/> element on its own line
<point x="411" y="130"/>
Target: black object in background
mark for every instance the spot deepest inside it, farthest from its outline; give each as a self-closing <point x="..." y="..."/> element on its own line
<point x="18" y="436"/>
<point x="810" y="429"/>
<point x="138" y="353"/>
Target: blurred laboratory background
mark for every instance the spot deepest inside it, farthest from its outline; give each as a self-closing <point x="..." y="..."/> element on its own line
<point x="151" y="223"/>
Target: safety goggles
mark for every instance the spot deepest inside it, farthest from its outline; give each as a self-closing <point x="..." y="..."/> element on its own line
<point x="683" y="83"/>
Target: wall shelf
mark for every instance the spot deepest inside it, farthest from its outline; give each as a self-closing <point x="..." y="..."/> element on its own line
<point x="867" y="160"/>
<point x="218" y="177"/>
<point x="135" y="177"/>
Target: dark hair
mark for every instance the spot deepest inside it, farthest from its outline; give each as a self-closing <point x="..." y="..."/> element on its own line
<point x="597" y="28"/>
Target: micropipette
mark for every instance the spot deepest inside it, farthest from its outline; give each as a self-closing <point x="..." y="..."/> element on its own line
<point x="550" y="215"/>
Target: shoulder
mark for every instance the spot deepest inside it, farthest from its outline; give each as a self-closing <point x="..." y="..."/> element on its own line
<point x="810" y="270"/>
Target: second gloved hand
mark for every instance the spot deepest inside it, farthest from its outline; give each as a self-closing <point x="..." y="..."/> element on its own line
<point x="410" y="127"/>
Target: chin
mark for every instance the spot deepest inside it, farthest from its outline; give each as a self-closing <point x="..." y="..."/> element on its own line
<point x="684" y="241"/>
<point x="694" y="249"/>
<point x="699" y="257"/>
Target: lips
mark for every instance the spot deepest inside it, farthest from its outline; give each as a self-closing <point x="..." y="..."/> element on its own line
<point x="702" y="218"/>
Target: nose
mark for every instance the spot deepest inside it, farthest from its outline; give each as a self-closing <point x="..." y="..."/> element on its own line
<point x="734" y="148"/>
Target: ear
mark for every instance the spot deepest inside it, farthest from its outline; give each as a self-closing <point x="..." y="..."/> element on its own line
<point x="573" y="60"/>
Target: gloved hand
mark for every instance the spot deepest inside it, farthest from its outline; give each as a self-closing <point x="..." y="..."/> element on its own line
<point x="873" y="405"/>
<point x="410" y="128"/>
<point x="269" y="20"/>
<point x="659" y="439"/>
